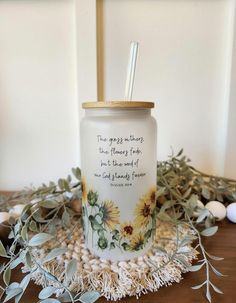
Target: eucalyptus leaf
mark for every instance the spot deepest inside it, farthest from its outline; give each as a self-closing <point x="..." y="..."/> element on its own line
<point x="39" y="239"/>
<point x="209" y="231"/>
<point x="89" y="297"/>
<point x="26" y="208"/>
<point x="54" y="253"/>
<point x="16" y="262"/>
<point x="66" y="186"/>
<point x="198" y="286"/>
<point x="47" y="292"/>
<point x="61" y="184"/>
<point x="208" y="294"/>
<point x="49" y="204"/>
<point x="23" y="284"/>
<point x="28" y="260"/>
<point x="218" y="273"/>
<point x="65" y="298"/>
<point x="13" y="285"/>
<point x="50" y="300"/>
<point x="204" y="212"/>
<point x="7" y="275"/>
<point x="196" y="267"/>
<point x="71" y="269"/>
<point x="33" y="226"/>
<point x="3" y="252"/>
<point x="216" y="289"/>
<point x="77" y="172"/>
<point x="13" y="293"/>
<point x="206" y="193"/>
<point x="187" y="193"/>
<point x="214" y="257"/>
<point x="24" y="234"/>
<point x="50" y="276"/>
<point x="66" y="218"/>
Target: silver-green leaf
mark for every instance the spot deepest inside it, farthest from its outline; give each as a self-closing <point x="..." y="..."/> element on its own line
<point x="7" y="276"/>
<point x="54" y="253"/>
<point x="196" y="267"/>
<point x="47" y="292"/>
<point x="203" y="213"/>
<point x="216" y="289"/>
<point x="49" y="204"/>
<point x="50" y="300"/>
<point x="198" y="286"/>
<point x="3" y="252"/>
<point x="89" y="297"/>
<point x="23" y="284"/>
<point x="71" y="269"/>
<point x="209" y="231"/>
<point x="40" y="239"/>
<point x="13" y="293"/>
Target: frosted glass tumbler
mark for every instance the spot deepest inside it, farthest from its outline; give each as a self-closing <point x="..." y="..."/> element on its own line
<point x="118" y="163"/>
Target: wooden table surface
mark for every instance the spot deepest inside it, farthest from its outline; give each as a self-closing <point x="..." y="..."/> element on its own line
<point x="223" y="244"/>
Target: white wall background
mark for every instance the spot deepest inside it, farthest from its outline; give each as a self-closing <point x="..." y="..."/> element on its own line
<point x="184" y="65"/>
<point x="38" y="99"/>
<point x="48" y="63"/>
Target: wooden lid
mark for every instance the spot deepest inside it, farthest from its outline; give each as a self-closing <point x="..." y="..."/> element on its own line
<point x="118" y="104"/>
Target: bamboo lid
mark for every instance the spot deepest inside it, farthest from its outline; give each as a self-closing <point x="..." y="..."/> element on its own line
<point x="118" y="104"/>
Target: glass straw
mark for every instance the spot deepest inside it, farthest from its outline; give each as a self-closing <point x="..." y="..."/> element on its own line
<point x="131" y="71"/>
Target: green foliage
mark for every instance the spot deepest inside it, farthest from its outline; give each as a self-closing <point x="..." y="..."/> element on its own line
<point x="44" y="206"/>
<point x="179" y="186"/>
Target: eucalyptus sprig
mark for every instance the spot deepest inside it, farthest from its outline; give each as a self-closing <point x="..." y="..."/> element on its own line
<point x="44" y="206"/>
<point x="179" y="186"/>
<point x="184" y="179"/>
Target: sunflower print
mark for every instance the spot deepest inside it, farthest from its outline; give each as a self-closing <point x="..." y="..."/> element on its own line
<point x="110" y="214"/>
<point x="127" y="229"/>
<point x="137" y="242"/>
<point x="151" y="196"/>
<point x="84" y="189"/>
<point x="143" y="212"/>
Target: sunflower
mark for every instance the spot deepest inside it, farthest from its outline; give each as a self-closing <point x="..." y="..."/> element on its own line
<point x="84" y="189"/>
<point x="151" y="196"/>
<point x="110" y="214"/>
<point x="126" y="229"/>
<point x="143" y="212"/>
<point x="137" y="242"/>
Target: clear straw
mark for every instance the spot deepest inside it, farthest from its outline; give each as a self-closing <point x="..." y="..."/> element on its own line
<point x="131" y="71"/>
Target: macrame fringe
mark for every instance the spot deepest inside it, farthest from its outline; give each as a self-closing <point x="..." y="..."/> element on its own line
<point x="116" y="280"/>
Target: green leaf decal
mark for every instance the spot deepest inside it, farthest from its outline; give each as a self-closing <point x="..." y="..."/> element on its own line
<point x="94" y="223"/>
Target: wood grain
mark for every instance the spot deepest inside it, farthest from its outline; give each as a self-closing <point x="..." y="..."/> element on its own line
<point x="118" y="104"/>
<point x="223" y="244"/>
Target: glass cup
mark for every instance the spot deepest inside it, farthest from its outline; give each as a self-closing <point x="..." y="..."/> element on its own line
<point x="118" y="164"/>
